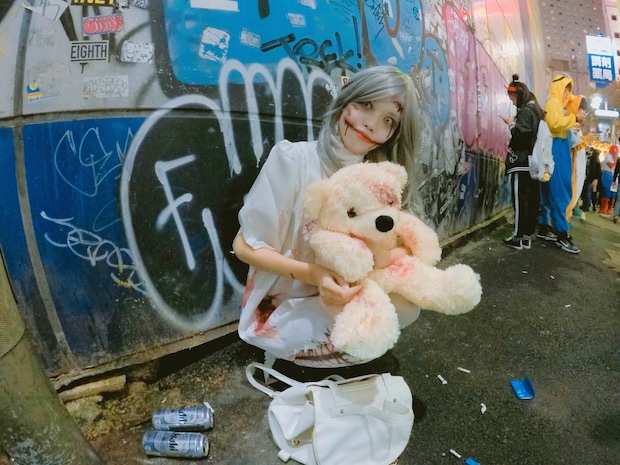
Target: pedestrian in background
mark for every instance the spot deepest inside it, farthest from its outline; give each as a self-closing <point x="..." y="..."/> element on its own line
<point x="557" y="193"/>
<point x="590" y="185"/>
<point x="614" y="187"/>
<point x="525" y="190"/>
<point x="607" y="171"/>
<point x="578" y="147"/>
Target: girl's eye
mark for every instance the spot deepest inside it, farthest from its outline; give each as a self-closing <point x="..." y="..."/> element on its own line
<point x="367" y="104"/>
<point x="351" y="213"/>
<point x="389" y="121"/>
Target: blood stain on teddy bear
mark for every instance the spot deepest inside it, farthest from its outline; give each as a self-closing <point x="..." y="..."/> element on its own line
<point x="385" y="194"/>
<point x="402" y="269"/>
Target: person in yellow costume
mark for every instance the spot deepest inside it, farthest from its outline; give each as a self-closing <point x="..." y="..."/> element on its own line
<point x="578" y="147"/>
<point x="556" y="194"/>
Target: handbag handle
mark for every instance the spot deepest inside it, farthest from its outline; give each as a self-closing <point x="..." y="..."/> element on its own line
<point x="249" y="373"/>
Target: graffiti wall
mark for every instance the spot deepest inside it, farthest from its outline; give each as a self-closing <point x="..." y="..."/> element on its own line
<point x="130" y="131"/>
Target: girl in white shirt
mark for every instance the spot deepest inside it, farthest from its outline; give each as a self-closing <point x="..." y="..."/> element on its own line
<point x="373" y="118"/>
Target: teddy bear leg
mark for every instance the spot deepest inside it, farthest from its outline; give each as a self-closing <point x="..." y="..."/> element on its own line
<point x="367" y="327"/>
<point x="452" y="291"/>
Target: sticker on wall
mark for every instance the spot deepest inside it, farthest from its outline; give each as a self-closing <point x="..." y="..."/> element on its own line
<point x="102" y="24"/>
<point x="105" y="87"/>
<point x="137" y="52"/>
<point x="296" y="19"/>
<point x="89" y="50"/>
<point x="51" y="9"/>
<point x="140" y="3"/>
<point x="94" y="2"/>
<point x="308" y="3"/>
<point x="214" y="44"/>
<point x="222" y="5"/>
<point x="250" y="39"/>
<point x="33" y="92"/>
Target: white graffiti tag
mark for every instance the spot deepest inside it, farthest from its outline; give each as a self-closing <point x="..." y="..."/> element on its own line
<point x="95" y="249"/>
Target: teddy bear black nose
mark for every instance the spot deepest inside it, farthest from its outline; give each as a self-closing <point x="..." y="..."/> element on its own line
<point x="384" y="223"/>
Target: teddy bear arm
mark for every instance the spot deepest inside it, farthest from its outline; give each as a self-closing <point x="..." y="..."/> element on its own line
<point x="452" y="291"/>
<point x="346" y="255"/>
<point x="419" y="238"/>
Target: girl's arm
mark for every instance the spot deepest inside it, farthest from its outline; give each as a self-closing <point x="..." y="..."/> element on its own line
<point x="333" y="289"/>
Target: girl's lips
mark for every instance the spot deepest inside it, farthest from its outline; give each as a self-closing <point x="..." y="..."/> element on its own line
<point x="363" y="136"/>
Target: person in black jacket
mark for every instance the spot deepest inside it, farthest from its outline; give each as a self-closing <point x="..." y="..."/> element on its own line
<point x="590" y="185"/>
<point x="525" y="190"/>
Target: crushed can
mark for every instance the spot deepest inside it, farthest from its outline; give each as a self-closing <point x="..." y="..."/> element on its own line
<point x="184" y="419"/>
<point x="175" y="444"/>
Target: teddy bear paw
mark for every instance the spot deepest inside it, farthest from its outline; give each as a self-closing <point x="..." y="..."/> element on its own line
<point x="463" y="289"/>
<point x="365" y="332"/>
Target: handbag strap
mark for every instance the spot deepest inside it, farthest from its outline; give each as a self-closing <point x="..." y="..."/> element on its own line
<point x="252" y="367"/>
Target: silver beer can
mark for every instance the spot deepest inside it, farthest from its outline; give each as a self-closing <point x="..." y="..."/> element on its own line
<point x="184" y="419"/>
<point x="175" y="444"/>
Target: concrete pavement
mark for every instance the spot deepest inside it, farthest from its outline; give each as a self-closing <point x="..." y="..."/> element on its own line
<point x="545" y="314"/>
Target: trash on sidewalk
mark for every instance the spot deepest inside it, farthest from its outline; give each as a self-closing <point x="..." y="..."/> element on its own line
<point x="483" y="408"/>
<point x="455" y="453"/>
<point x="523" y="388"/>
<point x="464" y="370"/>
<point x="184" y="419"/>
<point x="175" y="444"/>
<point x="471" y="461"/>
<point x="442" y="379"/>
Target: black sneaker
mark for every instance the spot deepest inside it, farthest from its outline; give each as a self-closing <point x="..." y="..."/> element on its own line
<point x="526" y="242"/>
<point x="513" y="242"/>
<point x="566" y="244"/>
<point x="547" y="235"/>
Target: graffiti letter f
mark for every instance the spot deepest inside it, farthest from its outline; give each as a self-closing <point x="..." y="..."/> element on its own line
<point x="161" y="169"/>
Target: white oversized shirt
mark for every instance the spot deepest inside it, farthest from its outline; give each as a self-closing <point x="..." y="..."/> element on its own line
<point x="279" y="314"/>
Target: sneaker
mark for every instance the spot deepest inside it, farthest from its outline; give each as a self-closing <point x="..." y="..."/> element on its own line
<point x="513" y="242"/>
<point x="547" y="235"/>
<point x="615" y="219"/>
<point x="583" y="216"/>
<point x="566" y="244"/>
<point x="526" y="242"/>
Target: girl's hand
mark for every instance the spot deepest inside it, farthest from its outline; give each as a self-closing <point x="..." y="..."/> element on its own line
<point x="333" y="289"/>
<point x="505" y="119"/>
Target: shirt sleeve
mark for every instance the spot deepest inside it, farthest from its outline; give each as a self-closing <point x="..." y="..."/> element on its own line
<point x="269" y="205"/>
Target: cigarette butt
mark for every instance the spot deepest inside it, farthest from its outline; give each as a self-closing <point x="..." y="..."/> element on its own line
<point x="442" y="379"/>
<point x="464" y="370"/>
<point x="455" y="453"/>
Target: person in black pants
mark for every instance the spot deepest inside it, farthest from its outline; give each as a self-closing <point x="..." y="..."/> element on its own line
<point x="593" y="173"/>
<point x="525" y="190"/>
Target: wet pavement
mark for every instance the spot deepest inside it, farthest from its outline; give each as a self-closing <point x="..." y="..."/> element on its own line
<point x="545" y="314"/>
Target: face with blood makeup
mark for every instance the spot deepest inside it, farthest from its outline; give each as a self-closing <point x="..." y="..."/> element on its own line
<point x="364" y="126"/>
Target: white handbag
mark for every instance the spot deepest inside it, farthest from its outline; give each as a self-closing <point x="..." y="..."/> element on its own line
<point x="365" y="420"/>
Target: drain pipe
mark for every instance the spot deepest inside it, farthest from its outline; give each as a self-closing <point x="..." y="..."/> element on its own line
<point x="36" y="427"/>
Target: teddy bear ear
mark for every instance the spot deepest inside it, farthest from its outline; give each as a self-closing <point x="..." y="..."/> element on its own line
<point x="314" y="198"/>
<point x="397" y="171"/>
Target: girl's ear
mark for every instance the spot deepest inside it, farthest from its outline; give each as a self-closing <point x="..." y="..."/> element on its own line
<point x="314" y="198"/>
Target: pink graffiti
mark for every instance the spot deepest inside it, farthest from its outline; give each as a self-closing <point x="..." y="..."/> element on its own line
<point x="103" y="24"/>
<point x="462" y="58"/>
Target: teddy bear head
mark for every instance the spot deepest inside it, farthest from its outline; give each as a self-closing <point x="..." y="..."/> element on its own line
<point x="361" y="200"/>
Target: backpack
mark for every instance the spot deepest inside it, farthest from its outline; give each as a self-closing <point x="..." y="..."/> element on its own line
<point x="541" y="160"/>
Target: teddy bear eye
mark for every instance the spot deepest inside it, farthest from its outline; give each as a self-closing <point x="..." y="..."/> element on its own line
<point x="351" y="213"/>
